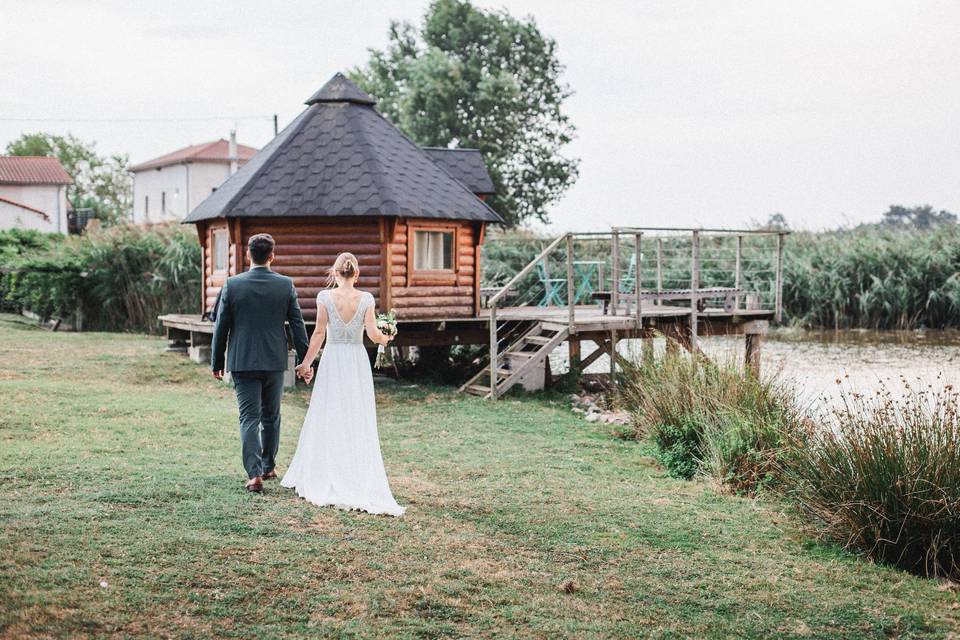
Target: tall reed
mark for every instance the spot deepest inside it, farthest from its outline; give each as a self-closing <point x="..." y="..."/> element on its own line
<point x="709" y="418"/>
<point x="881" y="474"/>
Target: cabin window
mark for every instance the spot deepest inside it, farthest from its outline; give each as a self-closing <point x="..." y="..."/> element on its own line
<point x="146" y="206"/>
<point x="221" y="249"/>
<point x="163" y="202"/>
<point x="433" y="250"/>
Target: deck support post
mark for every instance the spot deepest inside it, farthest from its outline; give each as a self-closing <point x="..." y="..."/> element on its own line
<point x="494" y="365"/>
<point x="753" y="338"/>
<point x="694" y="286"/>
<point x="573" y="350"/>
<point x="615" y="275"/>
<point x="646" y="351"/>
<point x="613" y="359"/>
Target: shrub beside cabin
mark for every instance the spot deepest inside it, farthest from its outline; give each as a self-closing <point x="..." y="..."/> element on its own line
<point x="342" y="178"/>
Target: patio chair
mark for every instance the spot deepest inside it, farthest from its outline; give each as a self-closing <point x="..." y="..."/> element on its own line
<point x="554" y="289"/>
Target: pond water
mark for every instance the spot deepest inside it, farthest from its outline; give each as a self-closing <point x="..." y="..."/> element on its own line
<point x="815" y="360"/>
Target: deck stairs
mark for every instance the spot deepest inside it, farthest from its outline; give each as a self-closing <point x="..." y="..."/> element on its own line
<point x="521" y="356"/>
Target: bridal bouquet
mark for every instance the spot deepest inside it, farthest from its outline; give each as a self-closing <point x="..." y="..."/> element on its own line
<point x="387" y="323"/>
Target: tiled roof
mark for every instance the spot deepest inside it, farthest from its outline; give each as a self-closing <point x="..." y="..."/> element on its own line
<point x="216" y="151"/>
<point x="466" y="165"/>
<point x="340" y="157"/>
<point x="32" y="170"/>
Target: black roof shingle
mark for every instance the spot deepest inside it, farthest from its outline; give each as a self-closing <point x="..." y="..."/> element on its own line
<point x="466" y="165"/>
<point x="341" y="157"/>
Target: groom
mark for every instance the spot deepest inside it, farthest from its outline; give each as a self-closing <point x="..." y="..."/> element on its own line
<point x="252" y="311"/>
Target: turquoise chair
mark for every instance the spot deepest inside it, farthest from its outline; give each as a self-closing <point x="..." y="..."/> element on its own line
<point x="554" y="289"/>
<point x="628" y="280"/>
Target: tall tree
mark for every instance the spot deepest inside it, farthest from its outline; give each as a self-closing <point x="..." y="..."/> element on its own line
<point x="481" y="79"/>
<point x="919" y="217"/>
<point x="101" y="183"/>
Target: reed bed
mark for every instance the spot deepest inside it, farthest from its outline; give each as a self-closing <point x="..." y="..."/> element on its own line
<point x="880" y="474"/>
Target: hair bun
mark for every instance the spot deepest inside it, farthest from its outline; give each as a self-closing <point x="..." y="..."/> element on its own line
<point x="345" y="266"/>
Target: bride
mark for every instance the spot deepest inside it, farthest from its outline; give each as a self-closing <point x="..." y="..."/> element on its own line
<point x="338" y="460"/>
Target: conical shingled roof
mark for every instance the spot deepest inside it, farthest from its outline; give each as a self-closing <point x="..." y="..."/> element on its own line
<point x="340" y="157"/>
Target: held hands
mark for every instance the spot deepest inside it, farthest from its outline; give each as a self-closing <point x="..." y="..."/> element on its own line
<point x="305" y="371"/>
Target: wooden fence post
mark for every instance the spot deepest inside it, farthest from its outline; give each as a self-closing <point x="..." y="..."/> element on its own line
<point x="736" y="273"/>
<point x="637" y="279"/>
<point x="615" y="276"/>
<point x="694" y="286"/>
<point x="778" y="313"/>
<point x="571" y="301"/>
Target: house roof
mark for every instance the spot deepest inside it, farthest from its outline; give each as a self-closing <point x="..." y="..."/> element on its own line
<point x="32" y="170"/>
<point x="216" y="151"/>
<point x="466" y="165"/>
<point x="23" y="206"/>
<point x="340" y="157"/>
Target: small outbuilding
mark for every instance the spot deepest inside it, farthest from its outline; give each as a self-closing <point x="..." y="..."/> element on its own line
<point x="339" y="178"/>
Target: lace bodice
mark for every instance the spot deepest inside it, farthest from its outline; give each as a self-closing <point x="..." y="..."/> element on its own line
<point x="338" y="331"/>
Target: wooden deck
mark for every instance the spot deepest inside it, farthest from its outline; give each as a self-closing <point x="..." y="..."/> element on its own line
<point x="589" y="322"/>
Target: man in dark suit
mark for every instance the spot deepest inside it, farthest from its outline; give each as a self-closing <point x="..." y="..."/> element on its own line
<point x="253" y="309"/>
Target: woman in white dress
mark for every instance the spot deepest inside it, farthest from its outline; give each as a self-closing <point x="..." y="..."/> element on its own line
<point x="338" y="460"/>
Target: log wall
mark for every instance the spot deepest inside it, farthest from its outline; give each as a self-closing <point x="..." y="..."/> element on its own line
<point x="307" y="247"/>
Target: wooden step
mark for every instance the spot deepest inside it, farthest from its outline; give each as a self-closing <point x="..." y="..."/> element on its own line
<point x="538" y="339"/>
<point x="519" y="354"/>
<point x="478" y="389"/>
<point x="500" y="372"/>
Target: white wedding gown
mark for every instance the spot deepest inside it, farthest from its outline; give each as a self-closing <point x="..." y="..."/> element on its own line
<point x="338" y="460"/>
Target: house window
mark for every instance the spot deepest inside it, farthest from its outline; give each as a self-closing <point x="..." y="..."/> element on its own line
<point x="163" y="202"/>
<point x="221" y="249"/>
<point x="433" y="250"/>
<point x="146" y="206"/>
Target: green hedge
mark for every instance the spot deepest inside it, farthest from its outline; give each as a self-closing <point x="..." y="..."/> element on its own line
<point x="119" y="279"/>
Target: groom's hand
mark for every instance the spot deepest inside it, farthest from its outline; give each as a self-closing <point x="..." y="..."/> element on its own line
<point x="218" y="374"/>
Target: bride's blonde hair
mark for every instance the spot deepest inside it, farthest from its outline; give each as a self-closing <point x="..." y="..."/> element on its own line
<point x="345" y="266"/>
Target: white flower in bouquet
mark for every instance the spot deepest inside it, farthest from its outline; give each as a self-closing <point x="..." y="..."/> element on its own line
<point x="387" y="324"/>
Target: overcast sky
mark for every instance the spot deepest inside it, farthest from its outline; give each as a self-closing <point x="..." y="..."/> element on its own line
<point x="689" y="112"/>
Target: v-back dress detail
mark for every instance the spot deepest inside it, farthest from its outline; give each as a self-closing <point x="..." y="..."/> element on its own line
<point x="338" y="460"/>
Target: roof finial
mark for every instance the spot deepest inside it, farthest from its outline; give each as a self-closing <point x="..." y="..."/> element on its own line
<point x="340" y="89"/>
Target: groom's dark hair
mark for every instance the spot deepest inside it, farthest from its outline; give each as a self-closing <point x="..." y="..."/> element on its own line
<point x="260" y="246"/>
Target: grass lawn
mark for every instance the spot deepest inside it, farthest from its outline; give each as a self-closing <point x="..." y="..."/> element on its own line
<point x="123" y="513"/>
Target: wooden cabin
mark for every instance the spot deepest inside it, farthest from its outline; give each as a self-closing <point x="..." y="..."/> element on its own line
<point x="340" y="178"/>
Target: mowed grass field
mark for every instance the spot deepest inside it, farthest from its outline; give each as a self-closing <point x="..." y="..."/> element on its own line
<point x="123" y="513"/>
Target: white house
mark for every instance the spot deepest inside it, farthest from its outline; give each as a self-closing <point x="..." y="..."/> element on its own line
<point x="169" y="187"/>
<point x="33" y="193"/>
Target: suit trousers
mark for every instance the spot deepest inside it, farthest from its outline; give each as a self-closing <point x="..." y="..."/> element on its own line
<point x="258" y="397"/>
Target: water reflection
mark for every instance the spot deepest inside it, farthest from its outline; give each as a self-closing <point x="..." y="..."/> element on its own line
<point x="815" y="360"/>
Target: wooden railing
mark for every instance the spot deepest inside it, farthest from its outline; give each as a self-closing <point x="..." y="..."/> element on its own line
<point x="631" y="301"/>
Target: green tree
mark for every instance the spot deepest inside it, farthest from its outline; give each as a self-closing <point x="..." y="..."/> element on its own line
<point x="101" y="183"/>
<point x="919" y="217"/>
<point x="486" y="80"/>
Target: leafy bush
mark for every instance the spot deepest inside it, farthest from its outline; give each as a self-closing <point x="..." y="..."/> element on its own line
<point x="121" y="278"/>
<point x="882" y="475"/>
<point x="710" y="419"/>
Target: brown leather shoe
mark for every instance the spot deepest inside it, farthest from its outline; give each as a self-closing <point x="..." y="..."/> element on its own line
<point x="269" y="475"/>
<point x="255" y="485"/>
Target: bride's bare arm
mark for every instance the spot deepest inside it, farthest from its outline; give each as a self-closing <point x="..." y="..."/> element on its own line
<point x="316" y="340"/>
<point x="373" y="332"/>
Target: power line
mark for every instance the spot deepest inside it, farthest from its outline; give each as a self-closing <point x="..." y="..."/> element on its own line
<point x="139" y="120"/>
